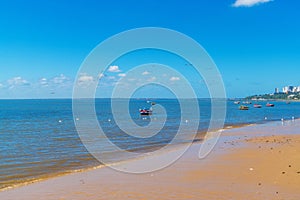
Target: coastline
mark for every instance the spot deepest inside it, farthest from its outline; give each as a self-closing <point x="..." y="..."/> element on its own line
<point x="198" y="139"/>
<point x="251" y="157"/>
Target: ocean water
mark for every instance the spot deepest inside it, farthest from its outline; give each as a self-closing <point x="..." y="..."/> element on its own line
<point x="38" y="138"/>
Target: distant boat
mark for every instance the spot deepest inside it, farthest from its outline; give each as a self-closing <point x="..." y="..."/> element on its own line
<point x="242" y="107"/>
<point x="145" y="111"/>
<point x="237" y="102"/>
<point x="270" y="105"/>
<point x="247" y="102"/>
<point x="153" y="103"/>
<point x="257" y="106"/>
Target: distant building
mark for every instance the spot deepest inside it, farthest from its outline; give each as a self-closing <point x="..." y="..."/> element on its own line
<point x="290" y="89"/>
<point x="294" y="89"/>
<point x="276" y="90"/>
<point x="285" y="89"/>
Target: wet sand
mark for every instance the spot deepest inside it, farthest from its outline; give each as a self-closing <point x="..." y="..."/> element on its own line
<point x="254" y="162"/>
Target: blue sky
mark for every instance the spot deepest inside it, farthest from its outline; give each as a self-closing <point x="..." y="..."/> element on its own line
<point x="254" y="43"/>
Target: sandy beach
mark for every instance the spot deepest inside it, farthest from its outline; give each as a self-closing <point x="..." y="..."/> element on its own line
<point x="253" y="162"/>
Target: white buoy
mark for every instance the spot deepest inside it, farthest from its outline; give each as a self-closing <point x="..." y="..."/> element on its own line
<point x="186" y="121"/>
<point x="77" y="119"/>
<point x="60" y="121"/>
<point x="109" y="120"/>
<point x="266" y="118"/>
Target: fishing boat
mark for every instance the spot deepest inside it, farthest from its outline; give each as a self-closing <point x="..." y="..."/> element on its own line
<point x="257" y="106"/>
<point x="145" y="111"/>
<point x="237" y="102"/>
<point x="270" y="105"/>
<point x="242" y="107"/>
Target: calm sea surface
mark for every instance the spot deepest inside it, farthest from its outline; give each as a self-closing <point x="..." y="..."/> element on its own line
<point x="38" y="138"/>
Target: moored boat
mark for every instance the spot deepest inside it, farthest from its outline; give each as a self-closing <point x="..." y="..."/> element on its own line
<point x="145" y="111"/>
<point x="242" y="107"/>
<point x="257" y="106"/>
<point x="270" y="105"/>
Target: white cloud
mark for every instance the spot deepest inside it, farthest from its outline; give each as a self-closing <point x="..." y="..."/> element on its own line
<point x="17" y="81"/>
<point x="249" y="3"/>
<point x="114" y="68"/>
<point x="174" y="78"/>
<point x="85" y="80"/>
<point x="43" y="82"/>
<point x="122" y="75"/>
<point x="145" y="73"/>
<point x="60" y="79"/>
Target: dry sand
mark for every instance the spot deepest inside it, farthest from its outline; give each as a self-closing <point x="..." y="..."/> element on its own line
<point x="255" y="162"/>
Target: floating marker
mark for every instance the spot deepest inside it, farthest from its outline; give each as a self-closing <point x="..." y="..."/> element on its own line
<point x="60" y="121"/>
<point x="109" y="120"/>
<point x="77" y="119"/>
<point x="186" y="121"/>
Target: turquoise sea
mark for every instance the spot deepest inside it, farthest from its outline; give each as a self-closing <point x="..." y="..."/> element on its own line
<point x="38" y="138"/>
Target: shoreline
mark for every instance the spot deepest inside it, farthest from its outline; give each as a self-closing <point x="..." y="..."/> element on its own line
<point x="198" y="139"/>
<point x="234" y="143"/>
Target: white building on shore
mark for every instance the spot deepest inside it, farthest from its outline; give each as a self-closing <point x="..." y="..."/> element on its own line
<point x="285" y="89"/>
<point x="290" y="89"/>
